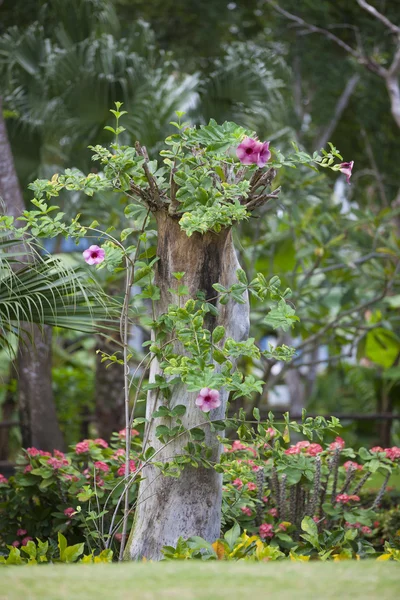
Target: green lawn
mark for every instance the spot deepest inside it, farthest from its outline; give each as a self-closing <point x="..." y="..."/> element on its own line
<point x="367" y="580"/>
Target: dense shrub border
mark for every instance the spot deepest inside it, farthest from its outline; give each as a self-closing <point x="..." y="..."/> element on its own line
<point x="302" y="501"/>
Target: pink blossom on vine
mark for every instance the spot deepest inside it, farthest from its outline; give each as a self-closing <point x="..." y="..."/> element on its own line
<point x="94" y="255"/>
<point x="346" y="168"/>
<point x="208" y="399"/>
<point x="253" y="152"/>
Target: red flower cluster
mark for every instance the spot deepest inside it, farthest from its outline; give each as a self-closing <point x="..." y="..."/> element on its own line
<point x="391" y="453"/>
<point x="132" y="468"/>
<point x="338" y="443"/>
<point x="122" y="433"/>
<point x="83" y="447"/>
<point x="345" y="498"/>
<point x="101" y="466"/>
<point x="266" y="530"/>
<point x="357" y="525"/>
<point x="56" y="463"/>
<point x="351" y="464"/>
<point x="308" y="447"/>
<point x="36" y="452"/>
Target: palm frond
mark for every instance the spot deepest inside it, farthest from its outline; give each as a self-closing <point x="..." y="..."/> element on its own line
<point x="47" y="292"/>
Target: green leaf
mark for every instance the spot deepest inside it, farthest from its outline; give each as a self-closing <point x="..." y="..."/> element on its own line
<point x="282" y="316"/>
<point x="309" y="526"/>
<point x="382" y="346"/>
<point x="162" y="430"/>
<point x="197" y="434"/>
<point x="218" y="334"/>
<point x="232" y="535"/>
<point x="178" y="410"/>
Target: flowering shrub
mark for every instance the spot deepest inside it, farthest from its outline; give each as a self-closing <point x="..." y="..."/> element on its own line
<point x="43" y="552"/>
<point x="74" y="493"/>
<point x="284" y="494"/>
<point x="241" y="546"/>
<point x="307" y="500"/>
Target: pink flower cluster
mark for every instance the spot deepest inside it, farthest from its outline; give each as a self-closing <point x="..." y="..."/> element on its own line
<point x="350" y="464"/>
<point x="24" y="541"/>
<point x="101" y="466"/>
<point x="253" y="152"/>
<point x="308" y="447"/>
<point x="122" y="433"/>
<point x="391" y="453"/>
<point x="68" y="512"/>
<point x="120" y="453"/>
<point x="237" y="446"/>
<point x="266" y="530"/>
<point x="56" y="463"/>
<point x="345" y="498"/>
<point x="33" y="452"/>
<point x="84" y="446"/>
<point x="3" y="479"/>
<point x="363" y="528"/>
<point x="338" y="443"/>
<point x="132" y="468"/>
<point x="246" y="511"/>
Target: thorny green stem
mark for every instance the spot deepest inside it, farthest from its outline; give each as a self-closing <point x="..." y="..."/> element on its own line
<point x="282" y="498"/>
<point x="311" y="509"/>
<point x="381" y="492"/>
<point x="361" y="483"/>
<point x="335" y="471"/>
<point x="260" y="478"/>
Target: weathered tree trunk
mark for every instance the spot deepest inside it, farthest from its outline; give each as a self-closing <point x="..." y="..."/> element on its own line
<point x="39" y="425"/>
<point x="170" y="507"/>
<point x="7" y="411"/>
<point x="35" y="398"/>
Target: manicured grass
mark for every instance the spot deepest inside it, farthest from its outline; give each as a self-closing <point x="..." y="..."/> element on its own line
<point x="366" y="580"/>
